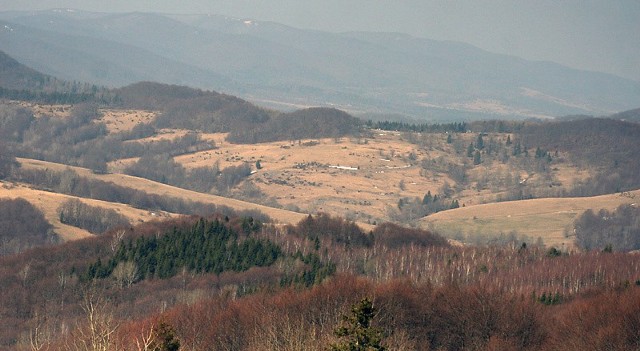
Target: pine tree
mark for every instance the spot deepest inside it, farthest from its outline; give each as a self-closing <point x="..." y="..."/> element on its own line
<point x="479" y="142"/>
<point x="517" y="149"/>
<point x="356" y="331"/>
<point x="477" y="158"/>
<point x="470" y="150"/>
<point x="427" y="198"/>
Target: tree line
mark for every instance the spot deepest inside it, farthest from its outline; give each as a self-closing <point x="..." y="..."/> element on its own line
<point x="609" y="230"/>
<point x="93" y="219"/>
<point x="23" y="226"/>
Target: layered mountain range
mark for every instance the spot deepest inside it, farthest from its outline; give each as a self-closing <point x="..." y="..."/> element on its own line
<point x="284" y="67"/>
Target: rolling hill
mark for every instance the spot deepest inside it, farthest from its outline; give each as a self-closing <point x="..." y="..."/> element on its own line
<point x="550" y="219"/>
<point x="279" y="66"/>
<point x="16" y="76"/>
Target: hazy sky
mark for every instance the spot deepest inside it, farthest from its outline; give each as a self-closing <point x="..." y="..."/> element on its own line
<point x="586" y="34"/>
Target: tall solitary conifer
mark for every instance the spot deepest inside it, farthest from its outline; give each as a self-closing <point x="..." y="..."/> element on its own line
<point x="356" y="331"/>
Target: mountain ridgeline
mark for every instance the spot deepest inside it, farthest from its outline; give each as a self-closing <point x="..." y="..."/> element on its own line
<point x="181" y="107"/>
<point x="389" y="72"/>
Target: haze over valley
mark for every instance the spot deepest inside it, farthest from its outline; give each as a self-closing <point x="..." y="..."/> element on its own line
<point x="284" y="67"/>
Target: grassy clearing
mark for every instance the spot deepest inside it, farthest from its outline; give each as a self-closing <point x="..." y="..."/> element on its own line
<point x="544" y="218"/>
<point x="48" y="203"/>
<point x="124" y="120"/>
<point x="167" y="190"/>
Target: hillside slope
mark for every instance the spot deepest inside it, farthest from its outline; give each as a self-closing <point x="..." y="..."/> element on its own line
<point x="549" y="219"/>
<point x="14" y="75"/>
<point x="48" y="203"/>
<point x="152" y="187"/>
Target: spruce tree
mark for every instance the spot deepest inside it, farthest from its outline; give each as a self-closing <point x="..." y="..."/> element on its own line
<point x="477" y="158"/>
<point x="479" y="142"/>
<point x="470" y="150"/>
<point x="356" y="331"/>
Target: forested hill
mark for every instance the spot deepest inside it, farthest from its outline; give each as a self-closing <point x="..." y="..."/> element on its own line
<point x="14" y="75"/>
<point x="180" y="106"/>
<point x="630" y="115"/>
<point x="19" y="82"/>
<point x="611" y="146"/>
<point x="209" y="111"/>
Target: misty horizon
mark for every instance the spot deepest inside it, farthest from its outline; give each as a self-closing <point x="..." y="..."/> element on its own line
<point x="588" y="36"/>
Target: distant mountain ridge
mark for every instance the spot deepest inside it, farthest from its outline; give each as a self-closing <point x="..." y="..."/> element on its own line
<point x="278" y="66"/>
<point x="14" y="75"/>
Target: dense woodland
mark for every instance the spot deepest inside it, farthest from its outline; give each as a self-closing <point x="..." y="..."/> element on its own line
<point x="145" y="283"/>
<point x="604" y="230"/>
<point x="611" y="146"/>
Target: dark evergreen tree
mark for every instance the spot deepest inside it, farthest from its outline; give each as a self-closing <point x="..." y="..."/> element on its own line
<point x="428" y="198"/>
<point x="470" y="150"/>
<point x="479" y="142"/>
<point x="356" y="331"/>
<point x="7" y="161"/>
<point x="517" y="149"/>
<point x="477" y="159"/>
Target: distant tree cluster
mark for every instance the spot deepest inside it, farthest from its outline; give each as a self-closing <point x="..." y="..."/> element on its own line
<point x="186" y="108"/>
<point x="456" y="127"/>
<point x="7" y="161"/>
<point x="618" y="230"/>
<point x="609" y="146"/>
<point x="336" y="230"/>
<point x="206" y="247"/>
<point x="14" y="121"/>
<point x="70" y="183"/>
<point x="301" y="124"/>
<point x="164" y="169"/>
<point x="395" y="236"/>
<point x="22" y="226"/>
<point x="94" y="219"/>
<point x="412" y="208"/>
<point x="324" y="227"/>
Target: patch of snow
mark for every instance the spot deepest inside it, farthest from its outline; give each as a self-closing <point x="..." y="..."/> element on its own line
<point x="345" y="168"/>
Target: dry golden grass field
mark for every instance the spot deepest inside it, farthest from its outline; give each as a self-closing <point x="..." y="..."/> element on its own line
<point x="167" y="190"/>
<point x="124" y="120"/>
<point x="362" y="179"/>
<point x="356" y="178"/>
<point x="48" y="203"/>
<point x="544" y="218"/>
